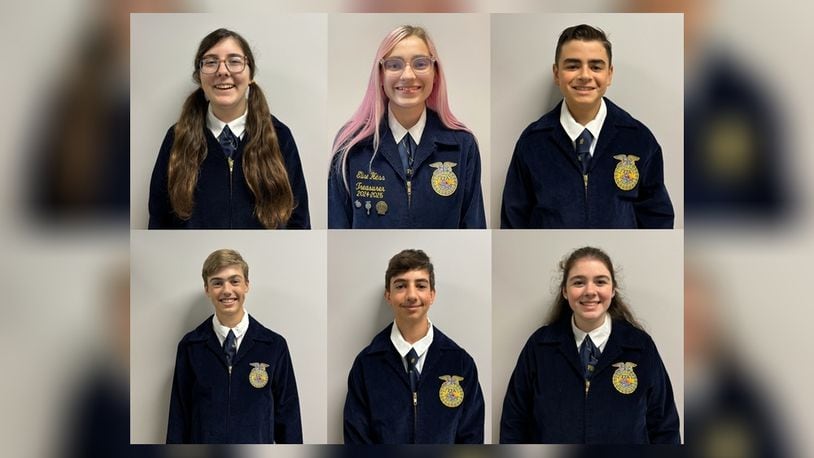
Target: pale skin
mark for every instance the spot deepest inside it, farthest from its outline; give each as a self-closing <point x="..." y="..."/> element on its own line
<point x="410" y="296"/>
<point x="227" y="289"/>
<point x="589" y="290"/>
<point x="407" y="91"/>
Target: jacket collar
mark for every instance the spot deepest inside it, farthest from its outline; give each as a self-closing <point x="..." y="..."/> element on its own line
<point x="255" y="333"/>
<point x="623" y="337"/>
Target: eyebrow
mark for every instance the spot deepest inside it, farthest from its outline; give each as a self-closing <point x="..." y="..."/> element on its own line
<point x="404" y="280"/>
<point x="583" y="277"/>
<point x="568" y="60"/>
<point x="228" y="278"/>
<point x="215" y="56"/>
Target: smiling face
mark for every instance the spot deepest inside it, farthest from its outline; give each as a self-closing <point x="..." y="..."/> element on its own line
<point x="410" y="296"/>
<point x="408" y="90"/>
<point x="226" y="90"/>
<point x="589" y="290"/>
<point x="227" y="289"/>
<point x="583" y="73"/>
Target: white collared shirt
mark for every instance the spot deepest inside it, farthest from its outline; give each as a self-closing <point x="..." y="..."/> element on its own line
<point x="403" y="347"/>
<point x="399" y="131"/>
<point x="599" y="336"/>
<point x="240" y="330"/>
<point x="215" y="125"/>
<point x="573" y="128"/>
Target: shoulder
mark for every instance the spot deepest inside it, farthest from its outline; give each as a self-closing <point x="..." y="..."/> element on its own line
<point x="622" y="119"/>
<point x="448" y="346"/>
<point x="198" y="335"/>
<point x="443" y="136"/>
<point x="263" y="333"/>
<point x="380" y="343"/>
<point x="631" y="336"/>
<point x="280" y="127"/>
<point x="545" y="123"/>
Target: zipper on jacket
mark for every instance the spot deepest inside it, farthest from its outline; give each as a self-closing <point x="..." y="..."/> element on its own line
<point x="587" y="387"/>
<point x="415" y="417"/>
<point x="229" y="406"/>
<point x="587" y="218"/>
<point x="231" y="168"/>
<point x="409" y="193"/>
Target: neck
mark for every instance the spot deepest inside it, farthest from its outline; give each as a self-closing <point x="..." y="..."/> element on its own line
<point x="583" y="115"/>
<point x="229" y="114"/>
<point x="231" y="320"/>
<point x="413" y="331"/>
<point x="588" y="326"/>
<point x="407" y="117"/>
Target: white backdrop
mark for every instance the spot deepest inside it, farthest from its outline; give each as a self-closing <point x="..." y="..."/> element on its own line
<point x="286" y="294"/>
<point x="291" y="69"/>
<point x="648" y="82"/>
<point x="357" y="311"/>
<point x="462" y="41"/>
<point x="649" y="267"/>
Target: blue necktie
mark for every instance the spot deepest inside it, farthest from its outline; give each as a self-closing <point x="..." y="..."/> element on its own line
<point x="589" y="355"/>
<point x="228" y="141"/>
<point x="412" y="360"/>
<point x="583" y="147"/>
<point x="230" y="347"/>
<point x="407" y="153"/>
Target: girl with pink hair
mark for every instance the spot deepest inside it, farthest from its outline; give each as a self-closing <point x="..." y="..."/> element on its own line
<point x="403" y="160"/>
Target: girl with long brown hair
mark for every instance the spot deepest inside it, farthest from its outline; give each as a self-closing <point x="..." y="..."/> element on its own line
<point x="591" y="374"/>
<point x="227" y="163"/>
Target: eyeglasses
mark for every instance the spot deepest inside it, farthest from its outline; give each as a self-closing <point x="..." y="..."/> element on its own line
<point x="235" y="64"/>
<point x="420" y="64"/>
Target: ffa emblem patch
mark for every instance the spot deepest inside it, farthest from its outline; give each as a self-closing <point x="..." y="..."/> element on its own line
<point x="444" y="181"/>
<point x="626" y="175"/>
<point x="258" y="377"/>
<point x="451" y="393"/>
<point x="624" y="379"/>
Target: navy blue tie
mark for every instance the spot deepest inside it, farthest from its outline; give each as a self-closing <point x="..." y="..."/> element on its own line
<point x="589" y="355"/>
<point x="412" y="360"/>
<point x="228" y="141"/>
<point x="230" y="347"/>
<point x="583" y="147"/>
<point x="407" y="153"/>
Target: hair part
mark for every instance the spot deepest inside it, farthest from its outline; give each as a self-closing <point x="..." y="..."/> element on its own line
<point x="263" y="166"/>
<point x="406" y="261"/>
<point x="618" y="309"/>
<point x="367" y="119"/>
<point x="582" y="32"/>
<point x="220" y="259"/>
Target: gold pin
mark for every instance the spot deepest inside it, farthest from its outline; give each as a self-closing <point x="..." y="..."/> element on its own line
<point x="444" y="181"/>
<point x="258" y="377"/>
<point x="624" y="379"/>
<point x="626" y="175"/>
<point x="451" y="393"/>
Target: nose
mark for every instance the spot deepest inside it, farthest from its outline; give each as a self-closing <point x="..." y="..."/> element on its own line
<point x="583" y="72"/>
<point x="407" y="68"/>
<point x="222" y="65"/>
<point x="411" y="293"/>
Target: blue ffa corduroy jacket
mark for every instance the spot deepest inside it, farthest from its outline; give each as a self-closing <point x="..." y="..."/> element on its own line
<point x="379" y="407"/>
<point x="223" y="199"/>
<point x="209" y="405"/>
<point x="547" y="401"/>
<point x="381" y="198"/>
<point x="545" y="188"/>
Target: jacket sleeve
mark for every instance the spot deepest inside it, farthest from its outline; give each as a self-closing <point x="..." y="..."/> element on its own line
<point x="300" y="217"/>
<point x="287" y="420"/>
<point x="339" y="202"/>
<point x="662" y="416"/>
<point x="654" y="210"/>
<point x="357" y="410"/>
<point x="517" y="205"/>
<point x="178" y="425"/>
<point x="473" y="216"/>
<point x="470" y="428"/>
<point x="517" y="418"/>
<point x="159" y="202"/>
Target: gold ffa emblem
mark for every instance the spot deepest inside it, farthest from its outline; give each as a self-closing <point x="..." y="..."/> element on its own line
<point x="626" y="175"/>
<point x="624" y="379"/>
<point x="258" y="377"/>
<point x="451" y="392"/>
<point x="444" y="181"/>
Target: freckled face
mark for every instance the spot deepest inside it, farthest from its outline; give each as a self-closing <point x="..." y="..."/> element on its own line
<point x="589" y="290"/>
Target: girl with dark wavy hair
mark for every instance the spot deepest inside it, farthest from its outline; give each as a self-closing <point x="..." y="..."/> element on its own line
<point x="227" y="163"/>
<point x="591" y="374"/>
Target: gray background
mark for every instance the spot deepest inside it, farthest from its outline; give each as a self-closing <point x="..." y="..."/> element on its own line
<point x="357" y="310"/>
<point x="291" y="69"/>
<point x="286" y="294"/>
<point x="649" y="267"/>
<point x="354" y="39"/>
<point x="648" y="82"/>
